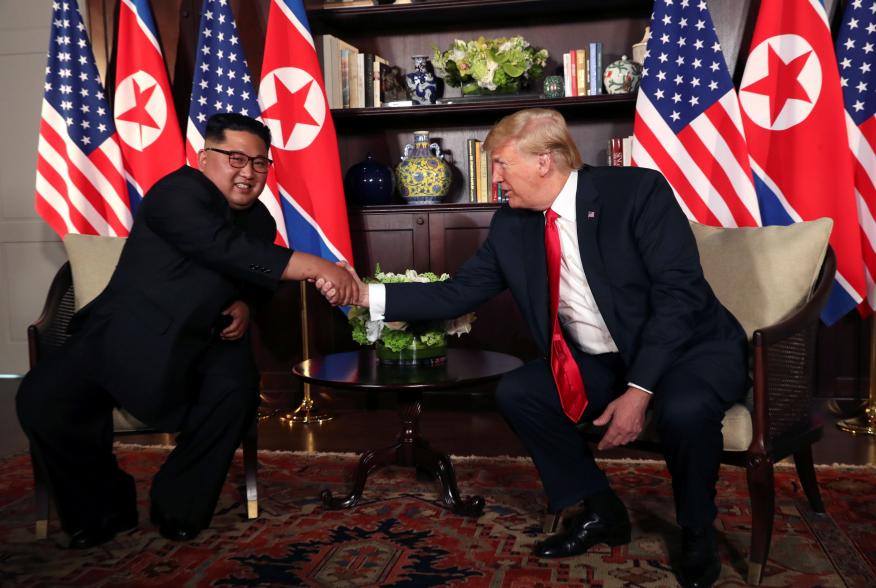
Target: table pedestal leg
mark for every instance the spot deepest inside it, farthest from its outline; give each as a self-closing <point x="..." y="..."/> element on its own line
<point x="410" y="450"/>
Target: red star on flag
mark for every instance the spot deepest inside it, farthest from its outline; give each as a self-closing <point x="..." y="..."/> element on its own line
<point x="138" y="113"/>
<point x="781" y="79"/>
<point x="290" y="103"/>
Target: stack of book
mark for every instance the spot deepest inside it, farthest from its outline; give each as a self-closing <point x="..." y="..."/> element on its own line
<point x="619" y="151"/>
<point x="582" y="70"/>
<point x="354" y="79"/>
<point x="481" y="187"/>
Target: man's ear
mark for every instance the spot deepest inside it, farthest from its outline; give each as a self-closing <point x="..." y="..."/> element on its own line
<point x="202" y="159"/>
<point x="545" y="163"/>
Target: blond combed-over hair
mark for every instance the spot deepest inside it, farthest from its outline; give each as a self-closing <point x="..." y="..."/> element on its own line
<point x="536" y="131"/>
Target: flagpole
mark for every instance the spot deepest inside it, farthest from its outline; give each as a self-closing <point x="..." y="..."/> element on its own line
<point x="865" y="424"/>
<point x="305" y="413"/>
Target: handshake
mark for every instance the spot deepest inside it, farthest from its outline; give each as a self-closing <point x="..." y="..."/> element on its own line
<point x="340" y="285"/>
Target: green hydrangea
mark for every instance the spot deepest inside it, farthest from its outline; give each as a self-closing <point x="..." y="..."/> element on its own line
<point x="399" y="335"/>
<point x="503" y="63"/>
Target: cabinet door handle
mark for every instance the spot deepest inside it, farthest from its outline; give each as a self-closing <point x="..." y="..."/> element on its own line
<point x="420" y="220"/>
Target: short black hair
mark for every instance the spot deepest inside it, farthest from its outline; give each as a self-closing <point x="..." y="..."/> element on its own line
<point x="232" y="121"/>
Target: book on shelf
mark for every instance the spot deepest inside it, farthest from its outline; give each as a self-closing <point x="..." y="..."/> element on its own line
<point x="567" y="74"/>
<point x="581" y="72"/>
<point x="620" y="151"/>
<point x="367" y="79"/>
<point x="379" y="64"/>
<point x="471" y="158"/>
<point x="325" y="54"/>
<point x="483" y="175"/>
<point x="573" y="72"/>
<point x="349" y="74"/>
<point x="595" y="66"/>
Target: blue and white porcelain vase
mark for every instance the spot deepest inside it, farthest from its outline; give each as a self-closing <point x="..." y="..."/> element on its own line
<point x="423" y="86"/>
<point x="423" y="175"/>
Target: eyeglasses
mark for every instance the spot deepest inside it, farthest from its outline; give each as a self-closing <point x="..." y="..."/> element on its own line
<point x="239" y="160"/>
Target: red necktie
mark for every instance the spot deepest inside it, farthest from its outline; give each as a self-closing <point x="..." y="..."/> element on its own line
<point x="567" y="376"/>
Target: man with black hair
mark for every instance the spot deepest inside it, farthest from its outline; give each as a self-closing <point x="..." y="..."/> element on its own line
<point x="167" y="341"/>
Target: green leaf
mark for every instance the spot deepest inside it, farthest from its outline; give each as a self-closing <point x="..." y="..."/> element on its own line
<point x="514" y="71"/>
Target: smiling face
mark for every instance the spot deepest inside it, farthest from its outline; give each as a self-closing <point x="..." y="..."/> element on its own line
<point x="240" y="186"/>
<point x="522" y="176"/>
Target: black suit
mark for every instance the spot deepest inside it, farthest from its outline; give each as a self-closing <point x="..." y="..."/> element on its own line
<point x="674" y="337"/>
<point x="149" y="344"/>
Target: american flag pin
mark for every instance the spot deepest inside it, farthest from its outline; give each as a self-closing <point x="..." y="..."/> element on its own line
<point x="591" y="214"/>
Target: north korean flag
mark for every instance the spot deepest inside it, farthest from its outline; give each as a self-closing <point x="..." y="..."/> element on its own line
<point x="305" y="148"/>
<point x="792" y="112"/>
<point x="152" y="145"/>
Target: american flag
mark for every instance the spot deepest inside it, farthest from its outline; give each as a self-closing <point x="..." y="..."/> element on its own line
<point x="305" y="150"/>
<point x="152" y="145"/>
<point x="687" y="122"/>
<point x="856" y="54"/>
<point x="80" y="184"/>
<point x="223" y="84"/>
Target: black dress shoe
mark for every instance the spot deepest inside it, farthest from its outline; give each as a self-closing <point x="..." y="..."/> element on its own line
<point x="104" y="530"/>
<point x="601" y="521"/>
<point x="172" y="529"/>
<point x="700" y="564"/>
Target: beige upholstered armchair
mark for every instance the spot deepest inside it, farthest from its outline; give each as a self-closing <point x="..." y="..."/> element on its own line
<point x="775" y="281"/>
<point x="91" y="263"/>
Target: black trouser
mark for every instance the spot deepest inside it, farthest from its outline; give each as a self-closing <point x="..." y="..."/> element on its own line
<point x="67" y="415"/>
<point x="688" y="406"/>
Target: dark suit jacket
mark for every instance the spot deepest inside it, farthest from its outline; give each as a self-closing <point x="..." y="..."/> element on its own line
<point x="188" y="256"/>
<point x="640" y="259"/>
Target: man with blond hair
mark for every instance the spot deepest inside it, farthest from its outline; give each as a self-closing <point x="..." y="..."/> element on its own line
<point x="604" y="268"/>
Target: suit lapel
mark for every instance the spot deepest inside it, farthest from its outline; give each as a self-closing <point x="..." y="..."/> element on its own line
<point x="536" y="275"/>
<point x="587" y="211"/>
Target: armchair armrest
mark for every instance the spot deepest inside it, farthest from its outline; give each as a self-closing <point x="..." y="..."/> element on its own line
<point x="784" y="369"/>
<point x="49" y="331"/>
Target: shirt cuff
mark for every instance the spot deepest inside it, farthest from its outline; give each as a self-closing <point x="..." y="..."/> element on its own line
<point x="377" y="301"/>
<point x="631" y="385"/>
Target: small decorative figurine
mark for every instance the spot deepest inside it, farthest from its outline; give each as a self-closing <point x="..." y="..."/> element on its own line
<point x="622" y="76"/>
<point x="423" y="86"/>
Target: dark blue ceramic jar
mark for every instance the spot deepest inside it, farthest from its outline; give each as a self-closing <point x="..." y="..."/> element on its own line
<point x="369" y="183"/>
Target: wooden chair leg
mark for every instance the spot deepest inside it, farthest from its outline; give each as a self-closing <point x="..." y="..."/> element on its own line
<point x="250" y="467"/>
<point x="41" y="501"/>
<point x="806" y="472"/>
<point x="761" y="489"/>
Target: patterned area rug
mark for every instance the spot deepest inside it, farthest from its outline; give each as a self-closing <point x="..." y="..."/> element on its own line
<point x="399" y="536"/>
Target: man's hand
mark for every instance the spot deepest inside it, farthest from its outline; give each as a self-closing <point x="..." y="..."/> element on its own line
<point x="239" y="313"/>
<point x="339" y="284"/>
<point x="625" y="417"/>
<point x="304" y="266"/>
<point x="329" y="290"/>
